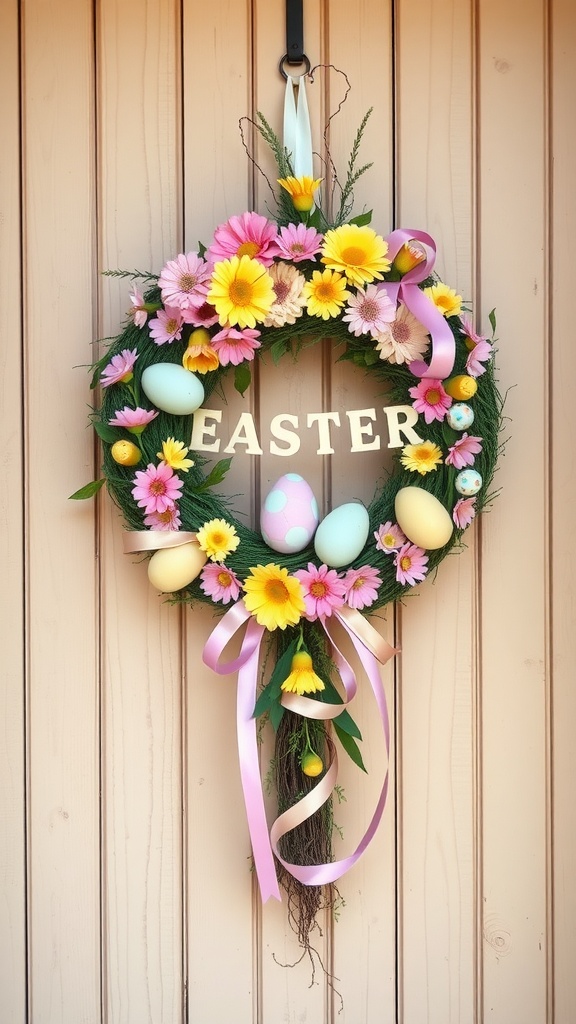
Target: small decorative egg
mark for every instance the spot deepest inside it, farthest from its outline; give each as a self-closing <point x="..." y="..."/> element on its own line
<point x="289" y="514"/>
<point x="423" y="518"/>
<point x="460" y="416"/>
<point x="170" y="569"/>
<point x="468" y="482"/>
<point x="172" y="389"/>
<point x="125" y="453"/>
<point x="461" y="387"/>
<point x="342" y="535"/>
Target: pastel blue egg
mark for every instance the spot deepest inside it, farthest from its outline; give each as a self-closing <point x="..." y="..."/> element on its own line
<point x="468" y="482"/>
<point x="342" y="535"/>
<point x="172" y="388"/>
<point x="460" y="416"/>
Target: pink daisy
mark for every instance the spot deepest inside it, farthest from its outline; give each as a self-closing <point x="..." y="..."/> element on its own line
<point x="168" y="520"/>
<point x="234" y="346"/>
<point x="480" y="348"/>
<point x="323" y="590"/>
<point x="138" y="312"/>
<point x="167" y="325"/>
<point x="250" y="234"/>
<point x="410" y="564"/>
<point x="202" y="315"/>
<point x="184" y="281"/>
<point x="156" y="488"/>
<point x="119" y="368"/>
<point x="430" y="399"/>
<point x="389" y="537"/>
<point x="369" y="311"/>
<point x="462" y="452"/>
<point x="296" y="242"/>
<point x="463" y="512"/>
<point x="361" y="587"/>
<point x="133" y="419"/>
<point x="219" y="583"/>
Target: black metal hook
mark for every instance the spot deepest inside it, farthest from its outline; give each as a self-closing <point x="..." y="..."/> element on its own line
<point x="294" y="38"/>
<point x="304" y="60"/>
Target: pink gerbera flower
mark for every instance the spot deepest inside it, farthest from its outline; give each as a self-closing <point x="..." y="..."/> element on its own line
<point x="156" y="488"/>
<point x="184" y="281"/>
<point x="234" y="345"/>
<point x="202" y="315"/>
<point x="138" y="312"/>
<point x="119" y="368"/>
<point x="463" y="512"/>
<point x="430" y="399"/>
<point x="369" y="311"/>
<point x="410" y="562"/>
<point x="462" y="452"/>
<point x="167" y="325"/>
<point x="323" y="590"/>
<point x="389" y="537"/>
<point x="133" y="420"/>
<point x="250" y="234"/>
<point x="219" y="583"/>
<point x="361" y="587"/>
<point x="296" y="242"/>
<point x="480" y="348"/>
<point x="167" y="520"/>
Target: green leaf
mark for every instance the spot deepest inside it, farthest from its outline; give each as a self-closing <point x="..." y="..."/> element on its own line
<point x="370" y="356"/>
<point x="344" y="719"/>
<point x="276" y="714"/>
<point x="201" y="249"/>
<point x="277" y="350"/>
<point x="350" y="746"/>
<point x="216" y="475"/>
<point x="361" y="219"/>
<point x="492" y="319"/>
<point x="89" y="490"/>
<point x="107" y="433"/>
<point x="242" y="377"/>
<point x="272" y="690"/>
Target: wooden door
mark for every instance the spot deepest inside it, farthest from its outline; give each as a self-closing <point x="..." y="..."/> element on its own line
<point x="127" y="896"/>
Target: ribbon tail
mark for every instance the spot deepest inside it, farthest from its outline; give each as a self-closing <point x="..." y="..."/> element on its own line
<point x="443" y="344"/>
<point x="297" y="129"/>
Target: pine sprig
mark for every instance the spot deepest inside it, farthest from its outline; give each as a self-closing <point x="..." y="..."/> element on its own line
<point x="133" y="275"/>
<point x="353" y="173"/>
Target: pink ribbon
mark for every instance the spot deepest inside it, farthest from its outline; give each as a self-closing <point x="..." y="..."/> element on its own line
<point x="407" y="290"/>
<point x="372" y="650"/>
<point x="153" y="540"/>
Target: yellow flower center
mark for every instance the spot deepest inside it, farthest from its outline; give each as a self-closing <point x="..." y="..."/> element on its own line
<point x="359" y="582"/>
<point x="224" y="579"/>
<point x="250" y="249"/>
<point x="433" y="396"/>
<point x="171" y="326"/>
<point x="276" y="592"/>
<point x="240" y="293"/>
<point x="165" y="517"/>
<point x="326" y="292"/>
<point x="217" y="538"/>
<point x="187" y="282"/>
<point x="405" y="563"/>
<point x="318" y="589"/>
<point x="389" y="540"/>
<point x="353" y="255"/>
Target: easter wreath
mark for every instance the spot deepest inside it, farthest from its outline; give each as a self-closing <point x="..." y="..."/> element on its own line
<point x="259" y="290"/>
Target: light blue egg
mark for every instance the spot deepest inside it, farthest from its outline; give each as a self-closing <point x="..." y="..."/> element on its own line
<point x="342" y="535"/>
<point x="468" y="482"/>
<point x="172" y="388"/>
<point x="460" y="416"/>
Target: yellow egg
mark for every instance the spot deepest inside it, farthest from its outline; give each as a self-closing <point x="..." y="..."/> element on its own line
<point x="125" y="453"/>
<point x="170" y="569"/>
<point x="311" y="764"/>
<point x="462" y="387"/>
<point x="423" y="518"/>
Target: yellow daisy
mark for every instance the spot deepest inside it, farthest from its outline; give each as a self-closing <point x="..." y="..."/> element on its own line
<point x="325" y="294"/>
<point x="200" y="357"/>
<point x="301" y="191"/>
<point x="357" y="252"/>
<point x="174" y="454"/>
<point x="241" y="292"/>
<point x="218" y="539"/>
<point x="445" y="299"/>
<point x="302" y="678"/>
<point x="274" y="597"/>
<point x="421" y="458"/>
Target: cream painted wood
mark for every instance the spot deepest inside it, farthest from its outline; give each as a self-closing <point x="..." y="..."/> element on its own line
<point x="63" y="864"/>
<point x="12" y="706"/>
<point x="135" y="903"/>
<point x="562" y="905"/>
<point x="437" y="687"/>
<point x="140" y="214"/>
<point x="515" y="706"/>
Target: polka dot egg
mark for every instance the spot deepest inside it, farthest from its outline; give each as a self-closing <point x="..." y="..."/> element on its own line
<point x="468" y="482"/>
<point x="289" y="515"/>
<point x="460" y="416"/>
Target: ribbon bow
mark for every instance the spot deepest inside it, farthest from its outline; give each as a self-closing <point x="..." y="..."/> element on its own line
<point x="407" y="290"/>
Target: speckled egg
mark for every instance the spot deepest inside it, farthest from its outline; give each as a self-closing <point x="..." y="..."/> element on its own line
<point x="460" y="416"/>
<point x="342" y="535"/>
<point x="289" y="515"/>
<point x="468" y="482"/>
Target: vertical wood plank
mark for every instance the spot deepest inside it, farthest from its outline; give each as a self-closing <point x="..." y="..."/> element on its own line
<point x="221" y="952"/>
<point x="515" y="699"/>
<point x="63" y="817"/>
<point x="12" y="754"/>
<point x="436" y="756"/>
<point x="562" y="645"/>
<point x="140" y="211"/>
